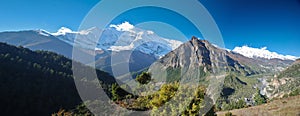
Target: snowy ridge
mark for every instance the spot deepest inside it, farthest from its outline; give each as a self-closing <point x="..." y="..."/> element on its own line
<point x="64" y="31"/>
<point x="261" y="53"/>
<point x="44" y="32"/>
<point x="118" y="38"/>
<point x="125" y="36"/>
<point x="144" y="41"/>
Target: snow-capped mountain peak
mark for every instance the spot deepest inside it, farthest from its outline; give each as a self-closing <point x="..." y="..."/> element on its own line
<point x="261" y="53"/>
<point x="145" y="41"/>
<point x="120" y="37"/>
<point x="63" y="31"/>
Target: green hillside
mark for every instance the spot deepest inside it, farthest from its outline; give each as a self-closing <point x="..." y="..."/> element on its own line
<point x="292" y="71"/>
<point x="292" y="77"/>
<point x="38" y="83"/>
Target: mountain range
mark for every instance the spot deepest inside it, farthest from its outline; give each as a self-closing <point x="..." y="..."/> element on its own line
<point x="243" y="68"/>
<point x="145" y="46"/>
<point x="199" y="58"/>
<point x="139" y="49"/>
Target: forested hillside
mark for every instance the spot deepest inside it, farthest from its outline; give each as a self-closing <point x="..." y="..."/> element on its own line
<point x="37" y="83"/>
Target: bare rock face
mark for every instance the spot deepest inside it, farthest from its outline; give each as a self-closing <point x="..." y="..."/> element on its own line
<point x="193" y="52"/>
<point x="199" y="58"/>
<point x="198" y="61"/>
<point x="200" y="53"/>
<point x="297" y="61"/>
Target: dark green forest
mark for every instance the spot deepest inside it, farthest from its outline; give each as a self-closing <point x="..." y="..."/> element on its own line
<point x="37" y="82"/>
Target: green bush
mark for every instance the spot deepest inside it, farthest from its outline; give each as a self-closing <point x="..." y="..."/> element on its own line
<point x="144" y="78"/>
<point x="259" y="99"/>
<point x="228" y="114"/>
<point x="295" y="92"/>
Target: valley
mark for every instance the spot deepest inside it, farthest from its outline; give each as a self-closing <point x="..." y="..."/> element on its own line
<point x="149" y="58"/>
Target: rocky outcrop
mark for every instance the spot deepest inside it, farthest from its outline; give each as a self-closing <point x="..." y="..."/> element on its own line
<point x="200" y="53"/>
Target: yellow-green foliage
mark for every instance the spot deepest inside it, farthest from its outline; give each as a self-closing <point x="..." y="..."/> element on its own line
<point x="185" y="105"/>
<point x="228" y="114"/>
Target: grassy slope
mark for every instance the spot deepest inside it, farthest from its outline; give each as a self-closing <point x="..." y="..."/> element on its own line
<point x="281" y="107"/>
<point x="246" y="90"/>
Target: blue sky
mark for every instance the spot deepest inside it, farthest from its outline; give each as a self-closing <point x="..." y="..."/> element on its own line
<point x="256" y="23"/>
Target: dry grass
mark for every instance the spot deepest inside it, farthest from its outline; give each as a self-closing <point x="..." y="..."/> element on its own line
<point x="281" y="107"/>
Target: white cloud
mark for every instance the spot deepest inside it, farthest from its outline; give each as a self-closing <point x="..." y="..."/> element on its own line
<point x="126" y="26"/>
